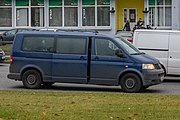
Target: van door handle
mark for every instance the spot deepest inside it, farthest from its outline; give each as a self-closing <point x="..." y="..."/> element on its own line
<point x="96" y="58"/>
<point x="82" y="58"/>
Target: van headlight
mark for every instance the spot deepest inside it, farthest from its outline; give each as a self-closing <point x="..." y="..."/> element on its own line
<point x="148" y="66"/>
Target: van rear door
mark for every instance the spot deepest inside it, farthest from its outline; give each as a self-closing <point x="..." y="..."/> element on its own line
<point x="69" y="62"/>
<point x="174" y="54"/>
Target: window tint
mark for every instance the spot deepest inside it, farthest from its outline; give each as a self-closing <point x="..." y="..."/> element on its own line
<point x="71" y="45"/>
<point x="38" y="44"/>
<point x="105" y="47"/>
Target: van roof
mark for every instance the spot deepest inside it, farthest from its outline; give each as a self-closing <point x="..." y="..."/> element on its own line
<point x="164" y="31"/>
<point x="63" y="33"/>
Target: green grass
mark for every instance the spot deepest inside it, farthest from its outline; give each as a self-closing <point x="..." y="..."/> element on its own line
<point x="7" y="59"/>
<point x="58" y="105"/>
<point x="6" y="48"/>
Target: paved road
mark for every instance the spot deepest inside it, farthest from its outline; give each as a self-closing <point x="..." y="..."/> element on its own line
<point x="170" y="87"/>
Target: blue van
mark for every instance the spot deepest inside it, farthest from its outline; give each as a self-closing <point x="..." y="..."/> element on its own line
<point x="43" y="58"/>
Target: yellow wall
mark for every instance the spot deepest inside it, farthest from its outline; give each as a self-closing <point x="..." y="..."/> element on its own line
<point x="120" y="4"/>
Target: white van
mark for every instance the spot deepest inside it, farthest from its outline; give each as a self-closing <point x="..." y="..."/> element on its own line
<point x="162" y="44"/>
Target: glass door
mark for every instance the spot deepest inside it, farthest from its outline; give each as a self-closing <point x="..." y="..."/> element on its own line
<point x="130" y="15"/>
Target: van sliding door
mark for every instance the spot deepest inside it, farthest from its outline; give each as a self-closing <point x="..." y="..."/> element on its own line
<point x="70" y="59"/>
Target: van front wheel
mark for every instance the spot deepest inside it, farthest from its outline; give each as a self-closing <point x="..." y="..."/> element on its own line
<point x="32" y="79"/>
<point x="131" y="83"/>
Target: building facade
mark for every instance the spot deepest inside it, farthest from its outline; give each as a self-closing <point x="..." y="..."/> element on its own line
<point x="130" y="11"/>
<point x="61" y="14"/>
<point x="107" y="16"/>
<point x="159" y="13"/>
<point x="163" y="14"/>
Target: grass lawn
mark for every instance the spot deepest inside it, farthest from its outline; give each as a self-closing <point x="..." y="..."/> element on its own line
<point x="6" y="48"/>
<point x="59" y="105"/>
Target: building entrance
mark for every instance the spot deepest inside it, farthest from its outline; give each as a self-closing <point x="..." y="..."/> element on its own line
<point x="130" y="14"/>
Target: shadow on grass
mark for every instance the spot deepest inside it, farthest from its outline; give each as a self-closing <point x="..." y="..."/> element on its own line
<point x="86" y="88"/>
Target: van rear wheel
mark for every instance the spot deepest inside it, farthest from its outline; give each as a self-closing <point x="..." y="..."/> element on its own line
<point x="32" y="79"/>
<point x="131" y="83"/>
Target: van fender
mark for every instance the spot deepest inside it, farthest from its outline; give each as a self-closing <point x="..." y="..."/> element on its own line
<point x="31" y="66"/>
<point x="129" y="70"/>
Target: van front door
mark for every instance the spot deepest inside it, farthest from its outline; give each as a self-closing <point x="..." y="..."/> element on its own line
<point x="70" y="60"/>
<point x="105" y="65"/>
<point x="174" y="54"/>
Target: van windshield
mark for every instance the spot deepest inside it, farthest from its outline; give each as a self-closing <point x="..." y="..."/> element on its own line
<point x="128" y="46"/>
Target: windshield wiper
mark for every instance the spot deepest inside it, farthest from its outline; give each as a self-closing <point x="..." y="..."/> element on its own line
<point x="143" y="53"/>
<point x="139" y="53"/>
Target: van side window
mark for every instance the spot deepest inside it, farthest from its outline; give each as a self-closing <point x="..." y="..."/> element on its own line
<point x="105" y="47"/>
<point x="38" y="44"/>
<point x="70" y="45"/>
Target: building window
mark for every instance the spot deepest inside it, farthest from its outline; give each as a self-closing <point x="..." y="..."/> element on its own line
<point x="160" y="13"/>
<point x="103" y="14"/>
<point x="70" y="8"/>
<point x="65" y="13"/>
<point x="71" y="13"/>
<point x="55" y="13"/>
<point x="22" y="10"/>
<point x="89" y="10"/>
<point x="37" y="13"/>
<point x="6" y="13"/>
<point x="37" y="17"/>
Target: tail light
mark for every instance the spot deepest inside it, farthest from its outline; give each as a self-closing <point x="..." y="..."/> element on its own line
<point x="130" y="40"/>
<point x="11" y="59"/>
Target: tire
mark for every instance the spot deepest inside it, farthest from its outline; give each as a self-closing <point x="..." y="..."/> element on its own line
<point x="32" y="79"/>
<point x="131" y="83"/>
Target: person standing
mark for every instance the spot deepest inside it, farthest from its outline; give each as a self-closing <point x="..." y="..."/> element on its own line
<point x="127" y="26"/>
<point x="139" y="22"/>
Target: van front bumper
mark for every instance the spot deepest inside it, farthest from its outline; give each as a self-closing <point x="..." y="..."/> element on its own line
<point x="15" y="76"/>
<point x="153" y="77"/>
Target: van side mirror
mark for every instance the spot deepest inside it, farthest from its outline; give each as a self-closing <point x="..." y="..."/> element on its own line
<point x="119" y="53"/>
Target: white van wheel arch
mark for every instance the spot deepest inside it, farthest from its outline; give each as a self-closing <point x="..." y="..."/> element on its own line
<point x="163" y="69"/>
